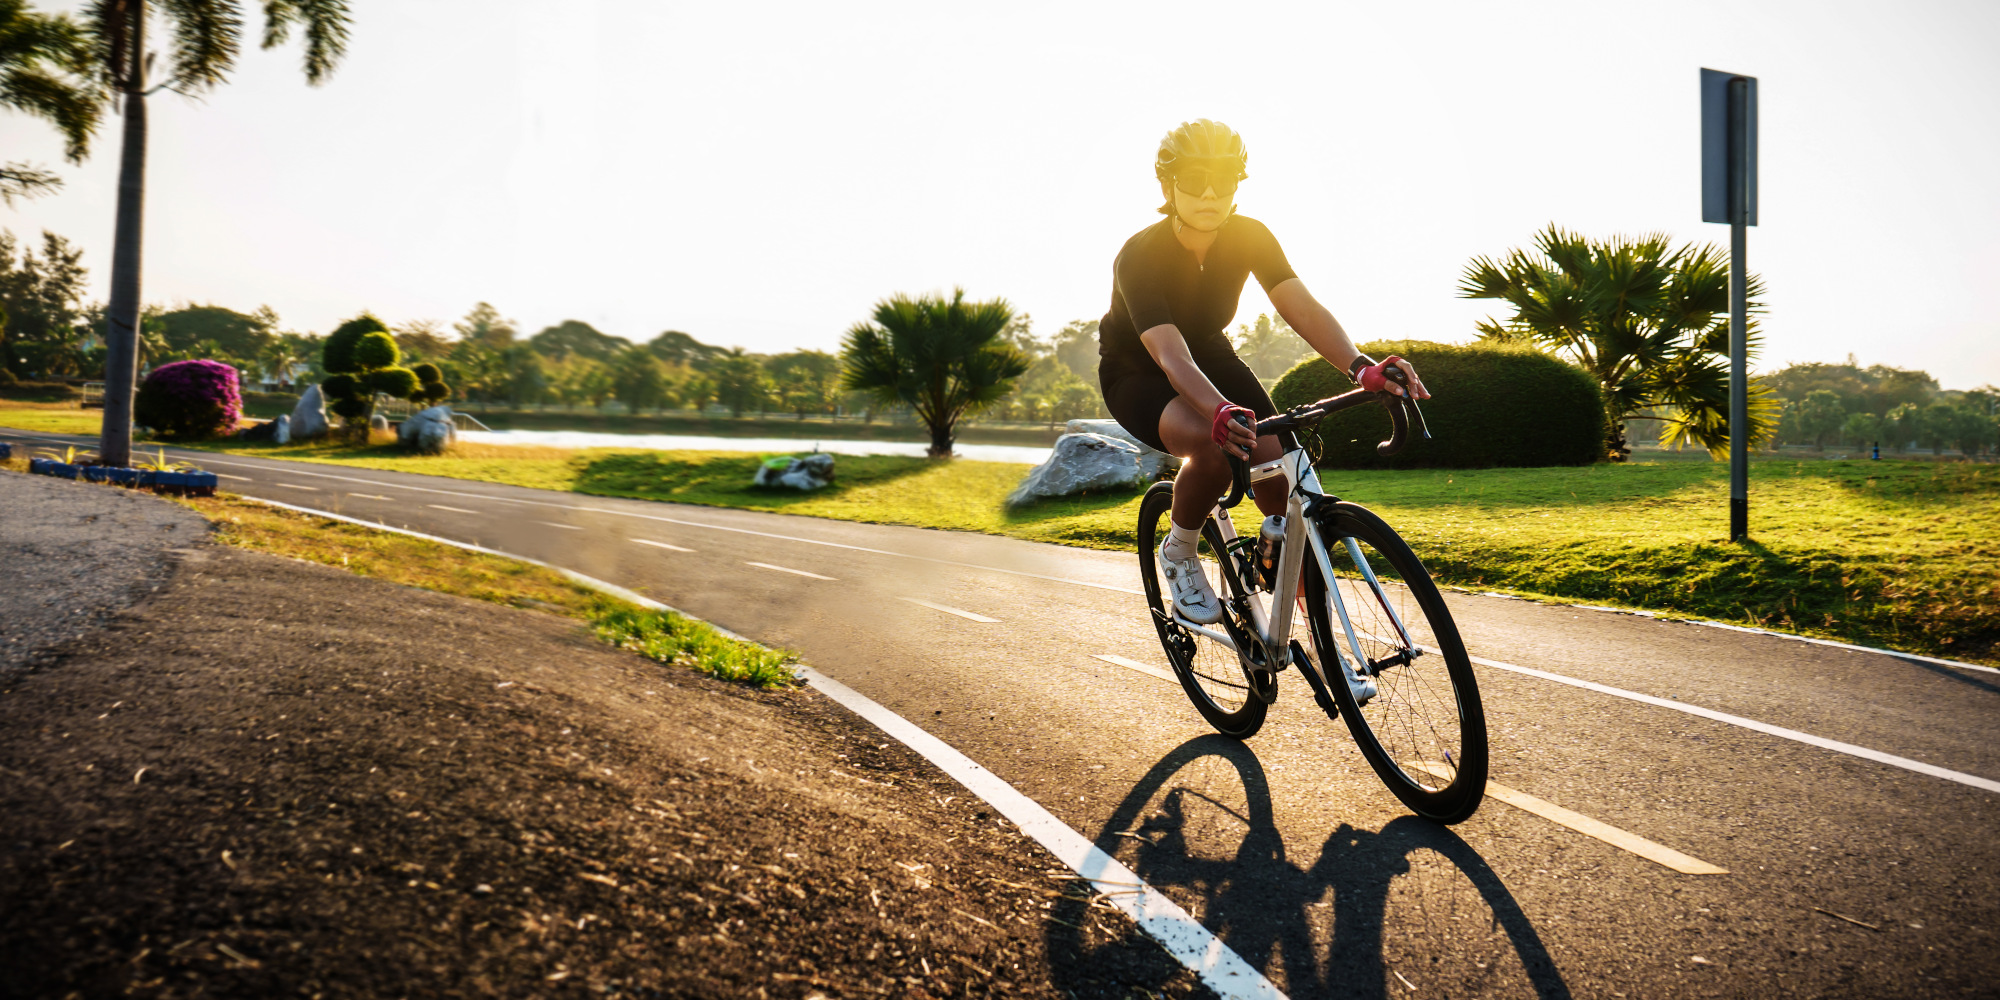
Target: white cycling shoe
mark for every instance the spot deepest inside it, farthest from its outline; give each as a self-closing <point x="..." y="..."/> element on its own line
<point x="1363" y="688"/>
<point x="1193" y="598"/>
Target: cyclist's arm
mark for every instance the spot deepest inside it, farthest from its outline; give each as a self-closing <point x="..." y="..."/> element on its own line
<point x="1170" y="351"/>
<point x="1324" y="333"/>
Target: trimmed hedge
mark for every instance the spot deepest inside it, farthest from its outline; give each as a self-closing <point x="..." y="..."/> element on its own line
<point x="1491" y="406"/>
<point x="189" y="400"/>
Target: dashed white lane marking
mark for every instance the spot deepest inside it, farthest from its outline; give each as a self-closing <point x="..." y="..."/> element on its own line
<point x="661" y="545"/>
<point x="787" y="569"/>
<point x="697" y="524"/>
<point x="1955" y="664"/>
<point x="240" y="479"/>
<point x="1183" y="937"/>
<point x="455" y="510"/>
<point x="1985" y="784"/>
<point x="961" y="612"/>
<point x="1660" y="853"/>
<point x="1144" y="668"/>
<point x="370" y="496"/>
<point x="559" y="524"/>
<point x="289" y="486"/>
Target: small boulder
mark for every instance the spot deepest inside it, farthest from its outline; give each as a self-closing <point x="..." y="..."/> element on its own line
<point x="277" y="431"/>
<point x="309" y="416"/>
<point x="378" y="423"/>
<point x="1151" y="461"/>
<point x="428" y="432"/>
<point x="1082" y="462"/>
<point x="806" y="472"/>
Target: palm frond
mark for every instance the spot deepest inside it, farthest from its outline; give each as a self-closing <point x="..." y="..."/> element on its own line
<point x="324" y="23"/>
<point x="207" y="35"/>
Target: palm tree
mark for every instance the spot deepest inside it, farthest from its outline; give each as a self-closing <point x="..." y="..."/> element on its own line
<point x="1649" y="321"/>
<point x="206" y="36"/>
<point x="45" y="71"/>
<point x="942" y="357"/>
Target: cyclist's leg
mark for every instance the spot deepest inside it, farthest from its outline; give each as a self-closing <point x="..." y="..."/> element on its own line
<point x="1236" y="381"/>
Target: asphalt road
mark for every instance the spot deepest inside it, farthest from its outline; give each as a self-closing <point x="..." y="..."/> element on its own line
<point x="1847" y="876"/>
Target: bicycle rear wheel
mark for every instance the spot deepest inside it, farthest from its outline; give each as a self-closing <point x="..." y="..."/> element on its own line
<point x="1211" y="673"/>
<point x="1424" y="732"/>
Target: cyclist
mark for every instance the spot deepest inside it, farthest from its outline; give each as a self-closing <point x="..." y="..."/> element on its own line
<point x="1167" y="369"/>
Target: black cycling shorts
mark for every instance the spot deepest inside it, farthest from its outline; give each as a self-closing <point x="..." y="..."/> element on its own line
<point x="1137" y="396"/>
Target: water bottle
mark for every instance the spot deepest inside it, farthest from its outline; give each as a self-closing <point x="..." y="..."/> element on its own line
<point x="1270" y="544"/>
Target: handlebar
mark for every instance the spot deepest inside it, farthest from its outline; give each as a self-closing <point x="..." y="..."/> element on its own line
<point x="1401" y="411"/>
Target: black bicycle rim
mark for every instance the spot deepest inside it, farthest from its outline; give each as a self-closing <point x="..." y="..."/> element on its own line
<point x="1424" y="732"/>
<point x="1210" y="673"/>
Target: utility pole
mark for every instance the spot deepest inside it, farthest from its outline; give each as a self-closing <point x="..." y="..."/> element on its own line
<point x="1729" y="194"/>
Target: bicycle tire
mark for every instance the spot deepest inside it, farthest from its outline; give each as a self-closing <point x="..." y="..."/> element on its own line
<point x="1203" y="665"/>
<point x="1433" y="759"/>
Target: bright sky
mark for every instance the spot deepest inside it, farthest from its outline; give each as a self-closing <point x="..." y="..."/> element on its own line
<point x="760" y="174"/>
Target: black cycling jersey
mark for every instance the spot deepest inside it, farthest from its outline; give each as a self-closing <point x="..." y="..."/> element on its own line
<point x="1156" y="280"/>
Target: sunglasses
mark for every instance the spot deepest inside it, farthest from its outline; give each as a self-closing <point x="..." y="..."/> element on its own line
<point x="1193" y="182"/>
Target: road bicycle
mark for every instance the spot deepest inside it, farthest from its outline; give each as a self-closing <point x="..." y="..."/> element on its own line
<point x="1364" y="602"/>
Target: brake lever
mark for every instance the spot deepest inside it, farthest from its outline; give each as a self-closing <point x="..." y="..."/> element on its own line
<point x="1402" y="378"/>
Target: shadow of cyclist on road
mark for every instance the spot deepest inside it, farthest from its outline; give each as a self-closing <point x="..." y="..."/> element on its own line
<point x="1200" y="827"/>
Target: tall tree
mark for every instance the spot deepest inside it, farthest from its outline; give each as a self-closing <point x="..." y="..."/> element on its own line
<point x="1269" y="346"/>
<point x="807" y="381"/>
<point x="46" y="72"/>
<point x="677" y="348"/>
<point x="942" y="357"/>
<point x="1649" y="321"/>
<point x="206" y="37"/>
<point x="574" y="336"/>
<point x="640" y="382"/>
<point x="740" y="382"/>
<point x="43" y="299"/>
<point x="422" y="339"/>
<point x="484" y="325"/>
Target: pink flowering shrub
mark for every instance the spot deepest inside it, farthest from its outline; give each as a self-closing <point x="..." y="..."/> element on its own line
<point x="189" y="399"/>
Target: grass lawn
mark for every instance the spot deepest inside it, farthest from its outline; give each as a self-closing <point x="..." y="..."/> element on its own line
<point x="1904" y="554"/>
<point x="54" y="418"/>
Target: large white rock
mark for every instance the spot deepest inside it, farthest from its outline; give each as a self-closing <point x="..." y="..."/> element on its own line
<point x="1151" y="462"/>
<point x="428" y="432"/>
<point x="309" y="417"/>
<point x="1084" y="462"/>
<point x="808" y="472"/>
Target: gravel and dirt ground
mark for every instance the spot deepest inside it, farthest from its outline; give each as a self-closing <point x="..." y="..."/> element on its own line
<point x="72" y="554"/>
<point x="273" y="778"/>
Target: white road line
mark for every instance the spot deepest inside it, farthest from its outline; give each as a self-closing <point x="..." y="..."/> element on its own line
<point x="1183" y="937"/>
<point x="455" y="510"/>
<point x="787" y="569"/>
<point x="559" y="524"/>
<point x="289" y="486"/>
<point x="1624" y="840"/>
<point x="1220" y="968"/>
<point x="1985" y="784"/>
<point x="370" y="496"/>
<point x="240" y="479"/>
<point x="947" y="609"/>
<point x="1144" y="668"/>
<point x="661" y="545"/>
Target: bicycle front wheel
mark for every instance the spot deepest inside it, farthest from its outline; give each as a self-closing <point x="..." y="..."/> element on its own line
<point x="1211" y="673"/>
<point x="1424" y="732"/>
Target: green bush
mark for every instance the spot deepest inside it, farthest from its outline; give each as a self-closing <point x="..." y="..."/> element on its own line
<point x="337" y="355"/>
<point x="1491" y="406"/>
<point x="399" y="382"/>
<point x="376" y="349"/>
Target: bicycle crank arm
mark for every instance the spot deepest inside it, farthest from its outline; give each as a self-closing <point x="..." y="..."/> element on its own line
<point x="1310" y="671"/>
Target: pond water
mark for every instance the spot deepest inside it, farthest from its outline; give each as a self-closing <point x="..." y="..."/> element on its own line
<point x="689" y="442"/>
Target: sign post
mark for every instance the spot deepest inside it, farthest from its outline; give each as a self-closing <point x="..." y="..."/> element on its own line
<point x="1729" y="194"/>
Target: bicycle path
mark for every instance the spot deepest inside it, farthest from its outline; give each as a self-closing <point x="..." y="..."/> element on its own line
<point x="1288" y="847"/>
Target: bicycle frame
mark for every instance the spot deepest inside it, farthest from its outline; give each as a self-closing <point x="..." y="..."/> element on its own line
<point x="1271" y="622"/>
